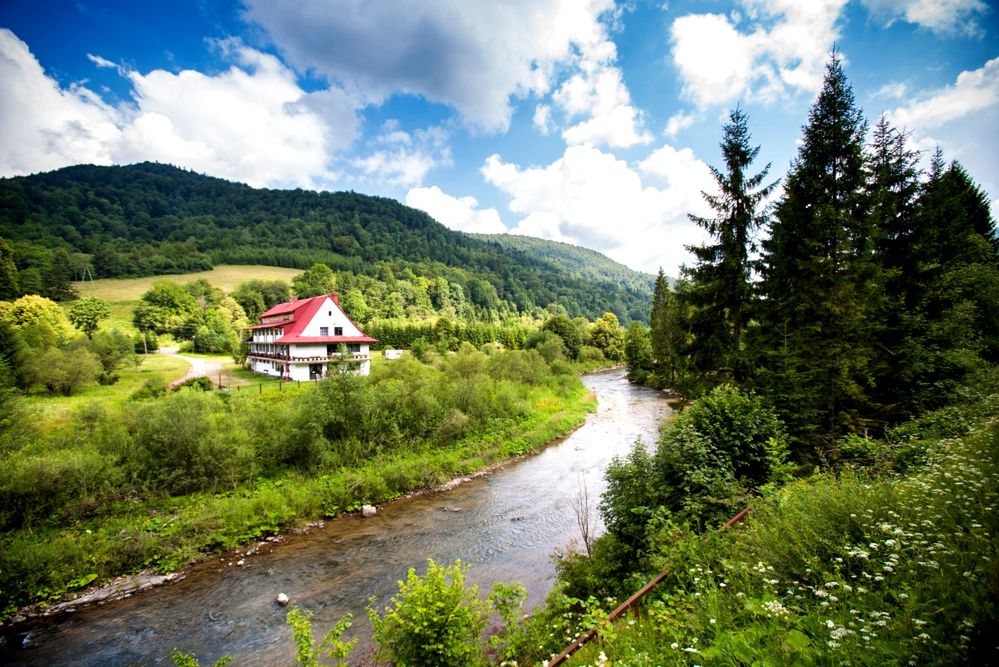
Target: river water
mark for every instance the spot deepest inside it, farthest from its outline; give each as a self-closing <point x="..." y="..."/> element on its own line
<point x="505" y="526"/>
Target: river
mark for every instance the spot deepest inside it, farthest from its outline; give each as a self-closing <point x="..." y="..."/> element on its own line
<point x="505" y="526"/>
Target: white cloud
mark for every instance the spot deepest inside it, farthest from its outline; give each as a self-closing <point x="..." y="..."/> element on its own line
<point x="250" y="123"/>
<point x="972" y="92"/>
<point x="943" y="16"/>
<point x="602" y="96"/>
<point x="43" y="126"/>
<point x="783" y="51"/>
<point x="407" y="158"/>
<point x="542" y="118"/>
<point x="591" y="198"/>
<point x="469" y="55"/>
<point x="895" y="89"/>
<point x="461" y="213"/>
<point x="679" y="122"/>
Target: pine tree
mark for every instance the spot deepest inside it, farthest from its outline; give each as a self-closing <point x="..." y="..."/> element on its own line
<point x="815" y="348"/>
<point x="668" y="334"/>
<point x="893" y="189"/>
<point x="720" y="291"/>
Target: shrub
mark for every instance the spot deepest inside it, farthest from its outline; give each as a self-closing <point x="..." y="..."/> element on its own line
<point x="434" y="620"/>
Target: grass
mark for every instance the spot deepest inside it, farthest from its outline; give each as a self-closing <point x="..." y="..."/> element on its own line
<point x="118" y="290"/>
<point x="853" y="568"/>
<point x="159" y="367"/>
<point x="140" y="531"/>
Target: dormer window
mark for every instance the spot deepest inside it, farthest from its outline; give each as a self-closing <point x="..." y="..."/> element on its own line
<point x="324" y="331"/>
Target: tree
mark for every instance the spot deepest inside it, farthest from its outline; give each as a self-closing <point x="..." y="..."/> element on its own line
<point x="164" y="308"/>
<point x="58" y="278"/>
<point x="819" y="280"/>
<point x="719" y="283"/>
<point x="31" y="310"/>
<point x="667" y="333"/>
<point x="8" y="273"/>
<point x="606" y="336"/>
<point x="319" y="279"/>
<point x="59" y="371"/>
<point x="638" y="351"/>
<point x="563" y="327"/>
<point x="86" y="314"/>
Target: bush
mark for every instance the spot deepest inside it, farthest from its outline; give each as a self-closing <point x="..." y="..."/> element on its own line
<point x="723" y="445"/>
<point x="434" y="620"/>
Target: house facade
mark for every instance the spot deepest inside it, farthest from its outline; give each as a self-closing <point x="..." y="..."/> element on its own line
<point x="298" y="339"/>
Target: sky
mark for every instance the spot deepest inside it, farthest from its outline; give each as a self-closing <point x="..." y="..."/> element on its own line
<point x="591" y="122"/>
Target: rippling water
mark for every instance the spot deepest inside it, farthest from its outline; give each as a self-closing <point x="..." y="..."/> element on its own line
<point x="505" y="526"/>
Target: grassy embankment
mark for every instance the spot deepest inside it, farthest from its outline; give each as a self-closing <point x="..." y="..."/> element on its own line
<point x="94" y="490"/>
<point x="864" y="567"/>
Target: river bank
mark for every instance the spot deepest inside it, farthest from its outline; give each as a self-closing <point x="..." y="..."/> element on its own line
<point x="507" y="524"/>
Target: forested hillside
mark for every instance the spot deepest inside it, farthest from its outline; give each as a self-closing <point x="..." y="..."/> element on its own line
<point x="150" y="219"/>
<point x="575" y="260"/>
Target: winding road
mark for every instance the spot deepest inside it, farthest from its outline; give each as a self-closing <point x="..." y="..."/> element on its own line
<point x="199" y="367"/>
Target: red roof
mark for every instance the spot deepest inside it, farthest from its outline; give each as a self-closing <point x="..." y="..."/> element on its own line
<point x="327" y="339"/>
<point x="303" y="310"/>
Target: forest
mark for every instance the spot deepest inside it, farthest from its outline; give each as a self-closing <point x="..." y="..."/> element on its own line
<point x="154" y="219"/>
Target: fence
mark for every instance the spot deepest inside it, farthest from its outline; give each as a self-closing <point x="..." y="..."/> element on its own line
<point x="633" y="603"/>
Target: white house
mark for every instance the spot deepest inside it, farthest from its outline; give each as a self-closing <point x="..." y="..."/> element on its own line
<point x="298" y="339"/>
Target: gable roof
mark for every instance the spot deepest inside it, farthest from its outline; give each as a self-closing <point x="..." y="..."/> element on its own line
<point x="302" y="311"/>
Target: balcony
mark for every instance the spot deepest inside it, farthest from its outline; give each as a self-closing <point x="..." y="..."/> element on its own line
<point x="323" y="359"/>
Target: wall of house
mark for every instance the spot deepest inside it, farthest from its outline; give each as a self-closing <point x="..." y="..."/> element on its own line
<point x="330" y="316"/>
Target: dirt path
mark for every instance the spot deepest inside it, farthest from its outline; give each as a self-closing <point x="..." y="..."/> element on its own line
<point x="199" y="367"/>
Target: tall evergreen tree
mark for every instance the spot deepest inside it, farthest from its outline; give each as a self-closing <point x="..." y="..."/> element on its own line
<point x="668" y="334"/>
<point x="815" y="347"/>
<point x="719" y="283"/>
<point x="893" y="189"/>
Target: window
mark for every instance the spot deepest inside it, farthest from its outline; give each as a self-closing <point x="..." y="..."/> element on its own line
<point x="324" y="331"/>
<point x="337" y="331"/>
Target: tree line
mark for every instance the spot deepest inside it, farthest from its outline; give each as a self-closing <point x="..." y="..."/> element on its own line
<point x="152" y="219"/>
<point x="873" y="293"/>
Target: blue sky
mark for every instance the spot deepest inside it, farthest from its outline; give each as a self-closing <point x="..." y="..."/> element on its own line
<point x="585" y="121"/>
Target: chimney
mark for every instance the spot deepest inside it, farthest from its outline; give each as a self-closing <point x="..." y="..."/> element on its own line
<point x="336" y="298"/>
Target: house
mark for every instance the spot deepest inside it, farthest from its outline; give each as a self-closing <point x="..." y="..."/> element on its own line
<point x="297" y="340"/>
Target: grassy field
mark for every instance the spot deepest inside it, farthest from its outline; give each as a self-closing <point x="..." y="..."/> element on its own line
<point x="124" y="293"/>
<point x="116" y="290"/>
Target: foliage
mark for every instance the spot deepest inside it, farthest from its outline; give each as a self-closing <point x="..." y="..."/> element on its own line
<point x="566" y="329"/>
<point x="332" y="644"/>
<point x="606" y="336"/>
<point x="33" y="310"/>
<point x="181" y="659"/>
<point x="668" y="334"/>
<point x="61" y="371"/>
<point x="719" y="283"/>
<point x="161" y="480"/>
<point x="638" y="351"/>
<point x="153" y="219"/>
<point x="436" y="620"/>
<point x="86" y="314"/>
<point x="818" y="276"/>
<point x="318" y="280"/>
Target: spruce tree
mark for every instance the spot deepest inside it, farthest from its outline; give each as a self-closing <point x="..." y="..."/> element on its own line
<point x="815" y="348"/>
<point x="719" y="283"/>
<point x="667" y="333"/>
<point x="893" y="188"/>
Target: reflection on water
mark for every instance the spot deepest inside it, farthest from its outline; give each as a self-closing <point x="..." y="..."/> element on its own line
<point x="505" y="526"/>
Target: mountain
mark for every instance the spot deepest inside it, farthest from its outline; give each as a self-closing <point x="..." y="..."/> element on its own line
<point x="581" y="263"/>
<point x="151" y="219"/>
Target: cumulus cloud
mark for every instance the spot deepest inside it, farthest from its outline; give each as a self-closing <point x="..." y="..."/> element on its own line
<point x="679" y="122"/>
<point x="601" y="96"/>
<point x="971" y="93"/>
<point x="474" y="57"/>
<point x="461" y="213"/>
<point x="249" y="123"/>
<point x="403" y="158"/>
<point x="943" y="16"/>
<point x="781" y="51"/>
<point x="591" y="198"/>
<point x="43" y="126"/>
